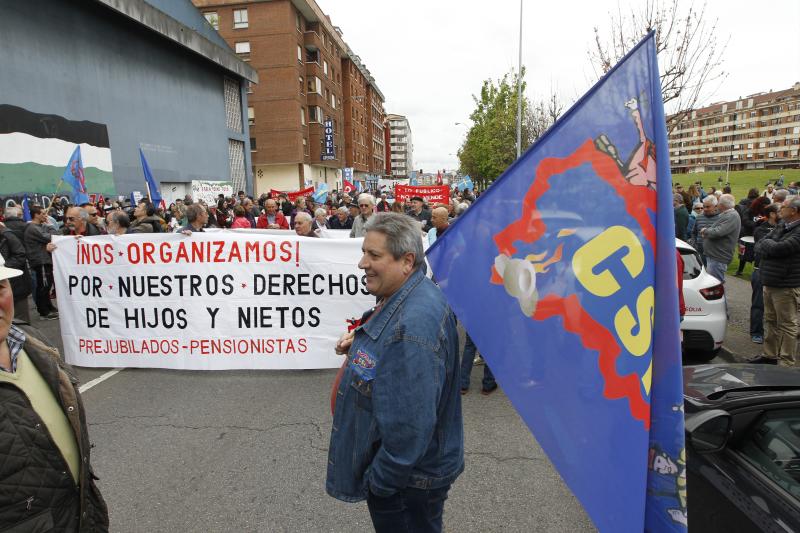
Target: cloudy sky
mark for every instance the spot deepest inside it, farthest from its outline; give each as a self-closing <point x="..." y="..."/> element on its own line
<point x="430" y="56"/>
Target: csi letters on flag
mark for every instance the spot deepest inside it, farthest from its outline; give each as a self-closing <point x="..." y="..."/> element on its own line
<point x="570" y="260"/>
<point x="209" y="301"/>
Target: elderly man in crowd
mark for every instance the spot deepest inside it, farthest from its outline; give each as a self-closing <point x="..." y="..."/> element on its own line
<point x="366" y="208"/>
<point x="76" y="222"/>
<point x="440" y="222"/>
<point x="47" y="480"/>
<point x="38" y="235"/>
<point x="719" y="239"/>
<point x="420" y="213"/>
<point x="340" y="220"/>
<point x="704" y="220"/>
<point x="197" y="218"/>
<point x="779" y="253"/>
<point x="94" y="219"/>
<point x="14" y="222"/>
<point x="272" y="217"/>
<point x="397" y="435"/>
<point x="145" y="219"/>
<point x="118" y="223"/>
<point x="304" y="225"/>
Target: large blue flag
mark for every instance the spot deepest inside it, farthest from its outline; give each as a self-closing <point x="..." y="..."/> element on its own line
<point x="152" y="187"/>
<point x="570" y="260"/>
<point x="74" y="177"/>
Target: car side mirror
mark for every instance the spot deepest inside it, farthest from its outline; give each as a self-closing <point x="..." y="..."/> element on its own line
<point x="708" y="431"/>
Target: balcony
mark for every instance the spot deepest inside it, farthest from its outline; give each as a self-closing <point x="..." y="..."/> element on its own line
<point x="312" y="40"/>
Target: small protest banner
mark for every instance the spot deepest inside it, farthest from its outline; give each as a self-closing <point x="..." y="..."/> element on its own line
<point x="209" y="301"/>
<point x="437" y="194"/>
<point x="208" y="191"/>
<point x="292" y="196"/>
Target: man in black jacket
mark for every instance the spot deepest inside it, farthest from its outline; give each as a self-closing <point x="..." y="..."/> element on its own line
<point x="46" y="478"/>
<point x="779" y="254"/>
<point x="38" y="247"/>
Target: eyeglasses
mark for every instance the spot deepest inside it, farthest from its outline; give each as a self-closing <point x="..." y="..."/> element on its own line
<point x="698" y="208"/>
<point x="71" y="218"/>
<point x="364" y="205"/>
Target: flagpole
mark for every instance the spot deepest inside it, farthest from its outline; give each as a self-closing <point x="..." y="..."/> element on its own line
<point x="519" y="87"/>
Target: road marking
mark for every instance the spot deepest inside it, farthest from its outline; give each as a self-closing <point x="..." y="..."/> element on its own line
<point x="111" y="373"/>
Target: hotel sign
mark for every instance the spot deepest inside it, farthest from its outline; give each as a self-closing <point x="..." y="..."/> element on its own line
<point x="328" y="150"/>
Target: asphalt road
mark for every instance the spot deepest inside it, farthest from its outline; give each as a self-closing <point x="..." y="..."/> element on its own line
<point x="247" y="451"/>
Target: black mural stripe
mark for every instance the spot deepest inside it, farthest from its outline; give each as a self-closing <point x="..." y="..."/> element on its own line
<point x="16" y="119"/>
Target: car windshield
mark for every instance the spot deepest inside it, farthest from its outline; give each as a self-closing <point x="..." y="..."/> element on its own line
<point x="711" y="382"/>
<point x="692" y="266"/>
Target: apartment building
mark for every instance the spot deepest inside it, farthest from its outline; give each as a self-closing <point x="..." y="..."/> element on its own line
<point x="363" y="119"/>
<point x="760" y="131"/>
<point x="400" y="146"/>
<point x="306" y="113"/>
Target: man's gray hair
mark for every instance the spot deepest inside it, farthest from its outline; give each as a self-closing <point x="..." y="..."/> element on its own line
<point x="460" y="208"/>
<point x="710" y="200"/>
<point x="344" y="210"/>
<point x="402" y="234"/>
<point x="320" y="211"/>
<point x="302" y="215"/>
<point x="794" y="202"/>
<point x="727" y="201"/>
<point x="13" y="211"/>
<point x="780" y="195"/>
<point x="193" y="211"/>
<point x="697" y="203"/>
<point x="366" y="197"/>
<point x="120" y="219"/>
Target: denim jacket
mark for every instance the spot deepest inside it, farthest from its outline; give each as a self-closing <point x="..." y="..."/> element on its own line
<point x="397" y="421"/>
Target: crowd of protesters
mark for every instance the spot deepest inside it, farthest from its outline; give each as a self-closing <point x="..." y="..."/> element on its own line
<point x="763" y="229"/>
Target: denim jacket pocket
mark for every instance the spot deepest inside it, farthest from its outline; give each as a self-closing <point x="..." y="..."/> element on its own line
<point x="364" y="393"/>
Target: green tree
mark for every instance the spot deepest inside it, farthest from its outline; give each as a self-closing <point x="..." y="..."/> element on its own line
<point x="490" y="145"/>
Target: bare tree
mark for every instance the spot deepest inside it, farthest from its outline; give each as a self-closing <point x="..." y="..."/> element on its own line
<point x="689" y="52"/>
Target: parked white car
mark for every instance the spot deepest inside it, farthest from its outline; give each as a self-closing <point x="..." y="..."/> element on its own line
<point x="706" y="317"/>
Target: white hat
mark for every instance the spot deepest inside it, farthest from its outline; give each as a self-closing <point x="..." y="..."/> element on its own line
<point x="5" y="272"/>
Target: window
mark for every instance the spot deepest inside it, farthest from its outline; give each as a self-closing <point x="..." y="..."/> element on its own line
<point x="302" y="116"/>
<point x="305" y="146"/>
<point x="302" y="84"/>
<point x="333" y="100"/>
<point x="251" y="116"/>
<point x="314" y="85"/>
<point x="239" y="18"/>
<point x="299" y="53"/>
<point x="213" y="18"/>
<point x="297" y="23"/>
<point x="242" y="47"/>
<point x="233" y="105"/>
<point x="314" y="113"/>
<point x="325" y="67"/>
<point x="249" y="87"/>
<point x="773" y="448"/>
<point x="253" y="147"/>
<point x="312" y="56"/>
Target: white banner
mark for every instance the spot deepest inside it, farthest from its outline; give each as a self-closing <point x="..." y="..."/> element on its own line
<point x="209" y="301"/>
<point x="208" y="191"/>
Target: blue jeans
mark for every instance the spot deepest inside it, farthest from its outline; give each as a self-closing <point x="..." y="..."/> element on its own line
<point x="466" y="366"/>
<point x="716" y="269"/>
<point x="756" y="305"/>
<point x="408" y="511"/>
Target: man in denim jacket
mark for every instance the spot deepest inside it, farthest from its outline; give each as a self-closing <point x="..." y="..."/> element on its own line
<point x="397" y="437"/>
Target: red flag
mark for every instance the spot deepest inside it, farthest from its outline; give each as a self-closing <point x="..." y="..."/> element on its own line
<point x="348" y="187"/>
<point x="439" y="178"/>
